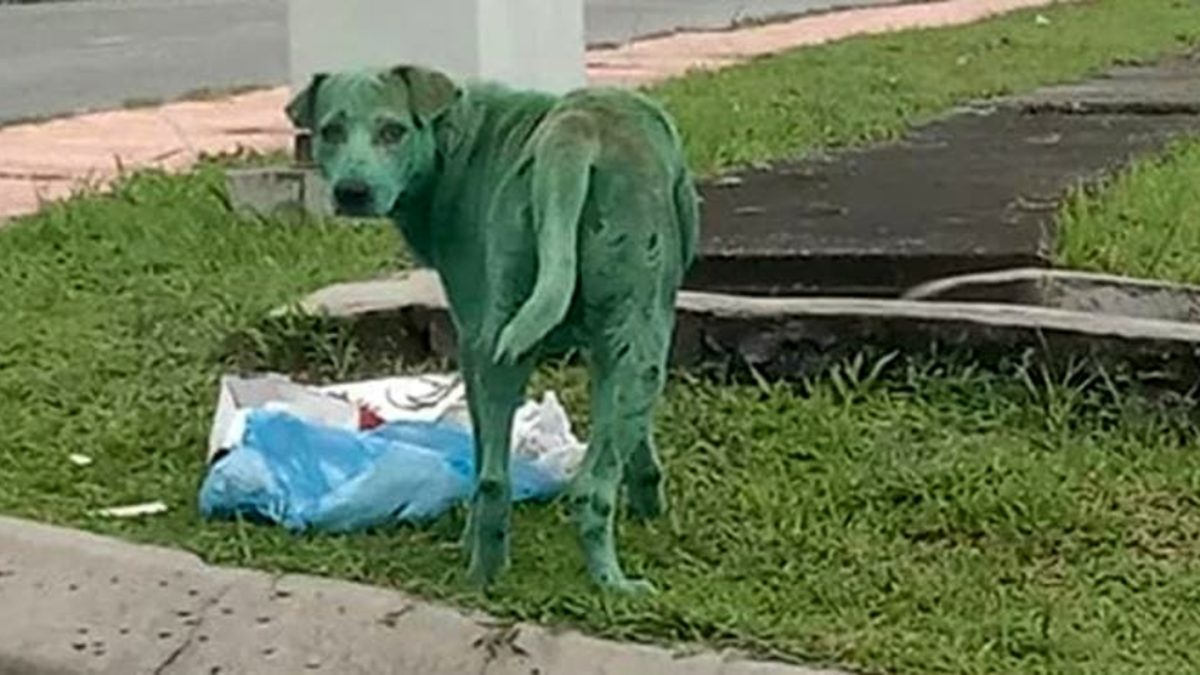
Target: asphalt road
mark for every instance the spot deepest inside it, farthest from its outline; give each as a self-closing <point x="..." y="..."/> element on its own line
<point x="61" y="57"/>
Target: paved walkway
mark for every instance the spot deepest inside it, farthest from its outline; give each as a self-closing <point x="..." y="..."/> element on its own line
<point x="974" y="191"/>
<point x="49" y="160"/>
<point x="78" y="603"/>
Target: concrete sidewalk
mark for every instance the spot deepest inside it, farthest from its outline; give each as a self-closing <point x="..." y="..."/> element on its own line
<point x="78" y="603"/>
<point x="47" y="161"/>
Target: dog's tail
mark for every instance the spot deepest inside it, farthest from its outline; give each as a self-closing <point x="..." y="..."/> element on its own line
<point x="687" y="215"/>
<point x="687" y="200"/>
<point x="562" y="166"/>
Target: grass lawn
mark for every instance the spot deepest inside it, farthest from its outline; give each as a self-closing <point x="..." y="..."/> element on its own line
<point x="935" y="518"/>
<point x="1145" y="224"/>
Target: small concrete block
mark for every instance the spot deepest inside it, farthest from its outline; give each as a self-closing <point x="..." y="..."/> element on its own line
<point x="417" y="289"/>
<point x="269" y="189"/>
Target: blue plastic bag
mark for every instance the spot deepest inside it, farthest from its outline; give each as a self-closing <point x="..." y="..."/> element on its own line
<point x="305" y="476"/>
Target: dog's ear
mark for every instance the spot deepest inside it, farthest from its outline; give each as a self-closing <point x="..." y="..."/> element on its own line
<point x="302" y="108"/>
<point x="430" y="93"/>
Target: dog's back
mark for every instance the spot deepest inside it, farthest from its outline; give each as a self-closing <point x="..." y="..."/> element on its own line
<point x="638" y="138"/>
<point x="634" y="207"/>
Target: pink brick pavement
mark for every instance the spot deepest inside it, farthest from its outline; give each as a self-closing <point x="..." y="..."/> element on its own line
<point x="49" y="160"/>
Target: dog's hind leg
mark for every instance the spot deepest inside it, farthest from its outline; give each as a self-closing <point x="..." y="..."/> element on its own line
<point x="626" y="378"/>
<point x="495" y="394"/>
<point x="645" y="374"/>
<point x="643" y="474"/>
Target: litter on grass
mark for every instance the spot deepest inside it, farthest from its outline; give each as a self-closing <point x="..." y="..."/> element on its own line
<point x="134" y="510"/>
<point x="353" y="456"/>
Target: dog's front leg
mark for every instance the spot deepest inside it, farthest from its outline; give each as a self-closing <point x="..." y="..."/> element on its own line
<point x="494" y="393"/>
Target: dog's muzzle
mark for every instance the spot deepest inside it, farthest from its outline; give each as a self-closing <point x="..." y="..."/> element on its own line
<point x="353" y="197"/>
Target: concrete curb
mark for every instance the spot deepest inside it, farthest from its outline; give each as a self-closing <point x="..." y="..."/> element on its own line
<point x="787" y="337"/>
<point x="80" y="603"/>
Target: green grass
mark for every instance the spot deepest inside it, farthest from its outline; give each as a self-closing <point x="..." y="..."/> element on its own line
<point x="935" y="518"/>
<point x="1145" y="223"/>
<point x="113" y="310"/>
<point x="873" y="88"/>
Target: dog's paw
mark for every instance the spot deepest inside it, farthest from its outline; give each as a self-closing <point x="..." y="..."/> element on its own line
<point x="630" y="587"/>
<point x="487" y="563"/>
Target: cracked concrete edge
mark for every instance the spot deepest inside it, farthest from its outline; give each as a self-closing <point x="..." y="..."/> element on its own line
<point x="785" y="337"/>
<point x="90" y="604"/>
<point x="1073" y="290"/>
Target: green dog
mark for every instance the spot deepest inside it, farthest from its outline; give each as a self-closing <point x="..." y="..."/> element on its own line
<point x="554" y="223"/>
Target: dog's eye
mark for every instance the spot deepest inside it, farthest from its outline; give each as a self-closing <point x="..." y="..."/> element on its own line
<point x="333" y="133"/>
<point x="391" y="133"/>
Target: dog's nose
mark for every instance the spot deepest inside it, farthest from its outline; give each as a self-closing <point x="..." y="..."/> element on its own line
<point x="352" y="193"/>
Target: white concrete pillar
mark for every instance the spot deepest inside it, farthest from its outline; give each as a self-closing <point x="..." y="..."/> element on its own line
<point x="536" y="44"/>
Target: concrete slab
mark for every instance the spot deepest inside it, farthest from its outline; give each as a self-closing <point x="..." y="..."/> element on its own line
<point x="88" y="604"/>
<point x="1171" y="86"/>
<point x="790" y="337"/>
<point x="975" y="192"/>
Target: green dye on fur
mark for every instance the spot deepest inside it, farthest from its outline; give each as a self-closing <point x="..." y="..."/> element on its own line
<point x="554" y="222"/>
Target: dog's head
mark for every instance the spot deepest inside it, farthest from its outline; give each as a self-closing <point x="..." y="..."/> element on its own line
<point x="372" y="132"/>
